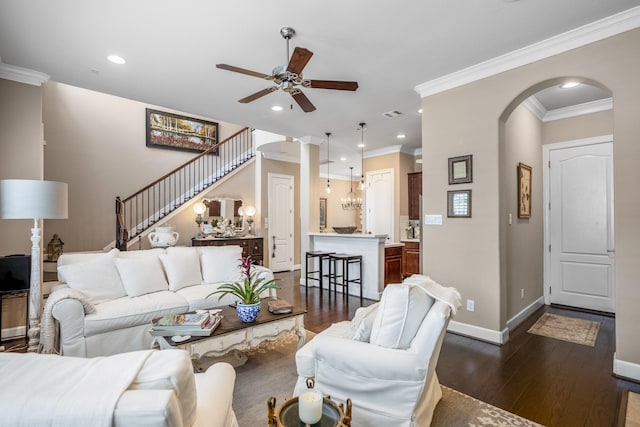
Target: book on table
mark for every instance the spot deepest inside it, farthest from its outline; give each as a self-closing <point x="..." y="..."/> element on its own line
<point x="196" y="330"/>
<point x="279" y="306"/>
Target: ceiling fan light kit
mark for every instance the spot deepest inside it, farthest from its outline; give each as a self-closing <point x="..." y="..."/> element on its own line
<point x="289" y="78"/>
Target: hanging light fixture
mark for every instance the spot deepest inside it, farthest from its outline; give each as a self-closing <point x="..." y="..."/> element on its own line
<point x="328" y="161"/>
<point x="362" y="124"/>
<point x="350" y="202"/>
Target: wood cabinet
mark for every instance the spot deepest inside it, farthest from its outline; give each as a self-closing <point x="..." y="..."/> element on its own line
<point x="415" y="190"/>
<point x="410" y="258"/>
<point x="392" y="265"/>
<point x="251" y="246"/>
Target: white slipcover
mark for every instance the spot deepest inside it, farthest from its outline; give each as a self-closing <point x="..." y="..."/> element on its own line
<point x="388" y="386"/>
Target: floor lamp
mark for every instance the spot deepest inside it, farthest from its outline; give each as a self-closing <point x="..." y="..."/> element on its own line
<point x="33" y="199"/>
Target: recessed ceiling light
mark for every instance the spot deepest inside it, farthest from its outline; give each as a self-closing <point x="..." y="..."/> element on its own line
<point x="344" y="159"/>
<point x="401" y="136"/>
<point x="420" y="111"/>
<point x="569" y="85"/>
<point x="276" y="108"/>
<point x="361" y="145"/>
<point x="116" y="59"/>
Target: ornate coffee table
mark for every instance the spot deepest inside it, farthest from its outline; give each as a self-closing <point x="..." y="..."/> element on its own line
<point x="234" y="336"/>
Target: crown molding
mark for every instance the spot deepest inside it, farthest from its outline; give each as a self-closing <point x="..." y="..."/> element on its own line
<point x="535" y="107"/>
<point x="282" y="157"/>
<point x="578" y="110"/>
<point x="581" y="36"/>
<point x="22" y="75"/>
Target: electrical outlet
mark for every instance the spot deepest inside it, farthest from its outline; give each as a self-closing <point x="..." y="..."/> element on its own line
<point x="471" y="305"/>
<point x="522" y="293"/>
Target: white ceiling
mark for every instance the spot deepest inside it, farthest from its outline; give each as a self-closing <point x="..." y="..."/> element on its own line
<point x="172" y="47"/>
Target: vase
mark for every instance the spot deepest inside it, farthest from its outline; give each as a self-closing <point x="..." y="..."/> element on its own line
<point x="248" y="312"/>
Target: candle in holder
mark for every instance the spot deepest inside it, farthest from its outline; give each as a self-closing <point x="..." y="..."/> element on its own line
<point x="310" y="406"/>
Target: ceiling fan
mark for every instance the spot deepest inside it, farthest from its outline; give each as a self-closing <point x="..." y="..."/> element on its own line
<point x="289" y="77"/>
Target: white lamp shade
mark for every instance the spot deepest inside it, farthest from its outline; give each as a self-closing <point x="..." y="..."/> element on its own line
<point x="33" y="199"/>
<point x="250" y="211"/>
<point x="199" y="208"/>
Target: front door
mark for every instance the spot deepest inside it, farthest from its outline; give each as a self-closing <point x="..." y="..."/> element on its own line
<point x="581" y="270"/>
<point x="280" y="231"/>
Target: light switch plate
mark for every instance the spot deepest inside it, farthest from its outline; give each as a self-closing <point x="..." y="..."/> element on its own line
<point x="433" y="219"/>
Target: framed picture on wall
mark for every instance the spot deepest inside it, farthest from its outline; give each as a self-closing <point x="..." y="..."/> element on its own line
<point x="461" y="169"/>
<point x="524" y="191"/>
<point x="459" y="204"/>
<point x="168" y="130"/>
<point x="323" y="213"/>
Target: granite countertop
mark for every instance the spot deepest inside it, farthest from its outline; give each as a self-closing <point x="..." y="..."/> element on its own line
<point x="410" y="240"/>
<point x="354" y="235"/>
<point x="393" y="244"/>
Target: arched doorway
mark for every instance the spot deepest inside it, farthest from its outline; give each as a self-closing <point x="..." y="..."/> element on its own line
<point x="534" y="262"/>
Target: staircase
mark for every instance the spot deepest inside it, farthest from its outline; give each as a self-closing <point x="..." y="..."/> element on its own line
<point x="157" y="201"/>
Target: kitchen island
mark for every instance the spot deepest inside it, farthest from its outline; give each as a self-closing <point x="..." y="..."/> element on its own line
<point x="370" y="246"/>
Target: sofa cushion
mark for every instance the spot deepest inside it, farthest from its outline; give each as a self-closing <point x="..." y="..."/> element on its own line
<point x="96" y="277"/>
<point x="182" y="266"/>
<point x="127" y="312"/>
<point x="362" y="323"/>
<point x="221" y="264"/>
<point x="141" y="275"/>
<point x="400" y="314"/>
<point x="198" y="299"/>
<point x="170" y="370"/>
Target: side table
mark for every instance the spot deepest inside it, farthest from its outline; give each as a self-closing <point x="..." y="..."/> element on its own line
<point x="333" y="414"/>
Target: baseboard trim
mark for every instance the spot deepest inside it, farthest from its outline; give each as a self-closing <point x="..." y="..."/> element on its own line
<point x="525" y="313"/>
<point x="624" y="369"/>
<point x="15" y="332"/>
<point x="478" y="332"/>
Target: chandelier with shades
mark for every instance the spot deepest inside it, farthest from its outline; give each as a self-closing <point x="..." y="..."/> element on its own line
<point x="351" y="202"/>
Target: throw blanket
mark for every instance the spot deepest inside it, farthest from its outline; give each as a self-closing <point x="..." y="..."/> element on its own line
<point x="51" y="390"/>
<point x="449" y="296"/>
<point x="49" y="333"/>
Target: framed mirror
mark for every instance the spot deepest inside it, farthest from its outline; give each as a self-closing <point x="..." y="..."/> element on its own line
<point x="227" y="208"/>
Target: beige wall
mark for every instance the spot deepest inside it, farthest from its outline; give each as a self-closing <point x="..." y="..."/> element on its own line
<point x="21" y="157"/>
<point x="96" y="143"/>
<point x="585" y="126"/>
<point x="466" y="253"/>
<point x="402" y="164"/>
<point x="524" y="237"/>
<point x="336" y="216"/>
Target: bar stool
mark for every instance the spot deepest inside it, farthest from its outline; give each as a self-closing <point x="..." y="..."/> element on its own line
<point x="343" y="279"/>
<point x="311" y="274"/>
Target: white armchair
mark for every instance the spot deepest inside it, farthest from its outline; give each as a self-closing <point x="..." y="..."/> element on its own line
<point x="385" y="358"/>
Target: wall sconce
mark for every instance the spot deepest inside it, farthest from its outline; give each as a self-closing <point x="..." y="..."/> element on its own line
<point x="199" y="208"/>
<point x="250" y="211"/>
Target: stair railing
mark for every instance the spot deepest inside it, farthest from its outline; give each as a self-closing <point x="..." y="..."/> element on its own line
<point x="146" y="207"/>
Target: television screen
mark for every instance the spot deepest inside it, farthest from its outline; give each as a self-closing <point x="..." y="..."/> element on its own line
<point x="15" y="272"/>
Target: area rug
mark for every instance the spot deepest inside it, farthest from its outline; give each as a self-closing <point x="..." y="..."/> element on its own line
<point x="271" y="371"/>
<point x="570" y="329"/>
<point x="629" y="410"/>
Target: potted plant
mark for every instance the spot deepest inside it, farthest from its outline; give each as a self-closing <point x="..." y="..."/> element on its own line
<point x="248" y="291"/>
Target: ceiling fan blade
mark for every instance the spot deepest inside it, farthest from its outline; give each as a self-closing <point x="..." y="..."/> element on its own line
<point x="299" y="60"/>
<point x="333" y="84"/>
<point x="243" y="71"/>
<point x="257" y="95"/>
<point x="303" y="102"/>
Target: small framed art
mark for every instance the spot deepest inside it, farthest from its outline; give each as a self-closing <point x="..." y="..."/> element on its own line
<point x="459" y="204"/>
<point x="524" y="191"/>
<point x="461" y="169"/>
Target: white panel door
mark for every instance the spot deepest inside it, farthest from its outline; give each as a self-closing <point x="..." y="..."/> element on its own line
<point x="581" y="226"/>
<point x="379" y="203"/>
<point x="280" y="231"/>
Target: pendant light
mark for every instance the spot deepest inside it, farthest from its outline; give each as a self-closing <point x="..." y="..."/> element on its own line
<point x="350" y="202"/>
<point x="362" y="125"/>
<point x="328" y="161"/>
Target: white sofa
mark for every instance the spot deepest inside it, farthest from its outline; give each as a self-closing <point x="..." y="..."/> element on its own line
<point x="385" y="358"/>
<point x="149" y="388"/>
<point x="105" y="302"/>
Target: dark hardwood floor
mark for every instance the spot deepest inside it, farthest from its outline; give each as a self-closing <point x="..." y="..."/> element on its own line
<point x="551" y="382"/>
